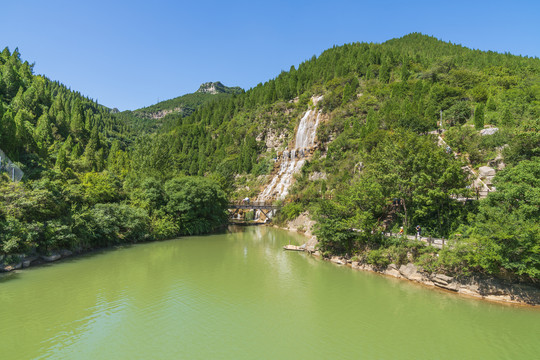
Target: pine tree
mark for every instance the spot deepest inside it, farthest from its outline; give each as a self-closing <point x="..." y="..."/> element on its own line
<point x="91" y="150"/>
<point x="348" y="93"/>
<point x="24" y="130"/>
<point x="77" y="121"/>
<point x="384" y="72"/>
<point x="405" y="73"/>
<point x="11" y="81"/>
<point x="43" y="133"/>
<point x="9" y="132"/>
<point x="76" y="152"/>
<point x="372" y="122"/>
<point x="507" y="119"/>
<point x="479" y="117"/>
<point x="61" y="160"/>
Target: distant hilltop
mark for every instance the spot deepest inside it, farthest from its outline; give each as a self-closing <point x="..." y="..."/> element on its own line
<point x="218" y="88"/>
<point x="183" y="105"/>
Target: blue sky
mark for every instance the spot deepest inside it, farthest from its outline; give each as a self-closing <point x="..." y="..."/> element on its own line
<point x="130" y="54"/>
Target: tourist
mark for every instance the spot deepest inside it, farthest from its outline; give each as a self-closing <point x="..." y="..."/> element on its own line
<point x="418" y="231"/>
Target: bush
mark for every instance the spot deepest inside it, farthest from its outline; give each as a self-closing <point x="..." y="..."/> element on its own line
<point x="109" y="224"/>
<point x="291" y="211"/>
<point x="198" y="204"/>
<point x="378" y="258"/>
<point x="164" y="227"/>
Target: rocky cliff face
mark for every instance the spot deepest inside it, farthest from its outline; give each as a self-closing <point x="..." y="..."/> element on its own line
<point x="211" y="88"/>
<point x="218" y="88"/>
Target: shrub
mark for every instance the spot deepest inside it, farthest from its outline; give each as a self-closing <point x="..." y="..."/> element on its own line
<point x="378" y="258"/>
<point x="164" y="227"/>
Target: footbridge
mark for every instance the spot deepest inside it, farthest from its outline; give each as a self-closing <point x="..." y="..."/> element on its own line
<point x="266" y="208"/>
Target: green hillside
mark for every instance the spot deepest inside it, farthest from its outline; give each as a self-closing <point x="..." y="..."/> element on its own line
<point x="380" y="101"/>
<point x="151" y="117"/>
<point x="75" y="155"/>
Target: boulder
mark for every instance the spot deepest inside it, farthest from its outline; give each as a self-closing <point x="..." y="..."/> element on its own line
<point x="366" y="267"/>
<point x="392" y="271"/>
<point x="489" y="131"/>
<point x="467" y="291"/>
<point x="338" y="260"/>
<point x="441" y="279"/>
<point x="486" y="171"/>
<point x="408" y="270"/>
<point x="450" y="286"/>
<point x="12" y="267"/>
<point x="65" y="253"/>
<point x="27" y="261"/>
<point x="52" y="257"/>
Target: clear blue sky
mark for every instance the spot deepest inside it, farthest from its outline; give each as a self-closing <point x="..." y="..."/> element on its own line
<point x="129" y="54"/>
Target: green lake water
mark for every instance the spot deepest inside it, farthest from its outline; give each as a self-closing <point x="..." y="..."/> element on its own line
<point x="238" y="295"/>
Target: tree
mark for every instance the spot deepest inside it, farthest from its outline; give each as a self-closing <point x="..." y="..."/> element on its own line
<point x="507" y="118"/>
<point x="24" y="130"/>
<point x="506" y="233"/>
<point x="92" y="149"/>
<point x="43" y="134"/>
<point x="198" y="204"/>
<point x="61" y="160"/>
<point x="479" y="117"/>
<point x="459" y="113"/>
<point x="405" y="70"/>
<point x="11" y="82"/>
<point x="77" y="121"/>
<point x="384" y="72"/>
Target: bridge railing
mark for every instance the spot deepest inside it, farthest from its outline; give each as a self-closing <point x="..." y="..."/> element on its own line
<point x="256" y="205"/>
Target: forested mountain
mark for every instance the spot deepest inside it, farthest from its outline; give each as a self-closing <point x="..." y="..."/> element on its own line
<point x="401" y="84"/>
<point x="151" y="117"/>
<point x="380" y="103"/>
<point x="42" y="122"/>
<point x="75" y="156"/>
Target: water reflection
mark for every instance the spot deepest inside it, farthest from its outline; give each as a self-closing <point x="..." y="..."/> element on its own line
<point x="239" y="295"/>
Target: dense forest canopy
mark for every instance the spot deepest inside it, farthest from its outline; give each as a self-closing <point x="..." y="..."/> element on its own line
<point x="87" y="165"/>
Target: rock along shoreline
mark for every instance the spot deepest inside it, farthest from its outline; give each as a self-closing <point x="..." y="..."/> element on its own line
<point x="490" y="289"/>
<point x="478" y="287"/>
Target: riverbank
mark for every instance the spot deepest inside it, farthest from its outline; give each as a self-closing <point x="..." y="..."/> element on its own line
<point x="479" y="287"/>
<point x="26" y="261"/>
<point x="9" y="263"/>
<point x="476" y="286"/>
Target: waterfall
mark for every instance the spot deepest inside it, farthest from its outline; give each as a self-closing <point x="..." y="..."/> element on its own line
<point x="293" y="160"/>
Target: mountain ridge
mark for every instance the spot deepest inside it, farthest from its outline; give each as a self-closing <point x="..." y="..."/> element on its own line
<point x="187" y="103"/>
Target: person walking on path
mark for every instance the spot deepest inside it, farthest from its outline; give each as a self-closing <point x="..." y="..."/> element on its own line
<point x="401" y="231"/>
<point x="418" y="231"/>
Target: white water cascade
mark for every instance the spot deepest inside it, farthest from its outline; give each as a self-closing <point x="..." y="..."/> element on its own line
<point x="293" y="160"/>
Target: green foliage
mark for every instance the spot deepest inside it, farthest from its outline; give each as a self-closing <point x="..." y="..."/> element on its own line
<point x="110" y="224"/>
<point x="479" y="117"/>
<point x="165" y="227"/>
<point x="378" y="258"/>
<point x="458" y="114"/>
<point x="95" y="177"/>
<point x="291" y="210"/>
<point x="198" y="204"/>
<point x="101" y="188"/>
